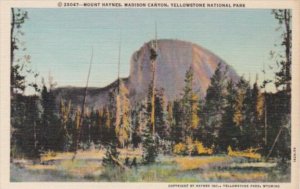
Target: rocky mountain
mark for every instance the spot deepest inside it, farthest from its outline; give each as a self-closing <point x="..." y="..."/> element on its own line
<point x="174" y="59"/>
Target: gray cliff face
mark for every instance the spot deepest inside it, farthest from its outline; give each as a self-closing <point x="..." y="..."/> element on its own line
<point x="174" y="59"/>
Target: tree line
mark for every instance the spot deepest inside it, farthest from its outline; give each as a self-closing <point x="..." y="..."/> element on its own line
<point x="233" y="113"/>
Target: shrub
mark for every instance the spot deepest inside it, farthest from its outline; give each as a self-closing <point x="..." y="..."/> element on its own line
<point x="201" y="150"/>
<point x="192" y="148"/>
<point x="179" y="149"/>
<point x="248" y="153"/>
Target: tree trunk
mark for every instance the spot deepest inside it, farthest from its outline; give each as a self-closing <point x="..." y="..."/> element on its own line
<point x="12" y="51"/>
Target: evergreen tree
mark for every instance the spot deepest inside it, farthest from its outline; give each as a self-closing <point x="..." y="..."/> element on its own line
<point x="229" y="131"/>
<point x="187" y="123"/>
<point x="283" y="76"/>
<point x="107" y="128"/>
<point x="17" y="64"/>
<point x="25" y="137"/>
<point x="281" y="139"/>
<point x="52" y="133"/>
<point x="171" y="125"/>
<point x="214" y="106"/>
<point x="150" y="104"/>
<point x="162" y="128"/>
<point x="190" y="105"/>
<point x="85" y="134"/>
<point x="177" y="131"/>
<point x="96" y="126"/>
<point x="137" y="131"/>
<point x="239" y="108"/>
<point x="100" y="124"/>
<point x="200" y="131"/>
<point x="258" y="121"/>
<point x="247" y="128"/>
<point x="149" y="143"/>
<point x="149" y="146"/>
<point x="242" y="115"/>
<point x="110" y="140"/>
<point x="249" y="116"/>
<point x="110" y="119"/>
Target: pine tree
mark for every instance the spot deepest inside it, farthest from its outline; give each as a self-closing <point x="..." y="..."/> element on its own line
<point x="96" y="123"/>
<point x="214" y="106"/>
<point x="177" y="131"/>
<point x="229" y="131"/>
<point x="136" y="126"/>
<point x="248" y="115"/>
<point x="195" y="112"/>
<point x="242" y="111"/>
<point x="17" y="64"/>
<point x="25" y="139"/>
<point x="280" y="134"/>
<point x="162" y="128"/>
<point x="108" y="129"/>
<point x="199" y="134"/>
<point x="149" y="146"/>
<point x="110" y="140"/>
<point x="111" y="118"/>
<point x="190" y="106"/>
<point x="149" y="143"/>
<point x="150" y="104"/>
<point x="283" y="76"/>
<point x="85" y="131"/>
<point x="19" y="70"/>
<point x="188" y="102"/>
<point x="52" y="133"/>
<point x="239" y="102"/>
<point x="258" y="108"/>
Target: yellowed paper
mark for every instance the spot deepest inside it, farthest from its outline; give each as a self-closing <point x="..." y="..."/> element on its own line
<point x="102" y="61"/>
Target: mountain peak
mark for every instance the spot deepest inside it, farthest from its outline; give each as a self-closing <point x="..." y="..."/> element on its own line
<point x="174" y="58"/>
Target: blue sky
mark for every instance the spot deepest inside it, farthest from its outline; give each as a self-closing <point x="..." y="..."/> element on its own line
<point x="60" y="40"/>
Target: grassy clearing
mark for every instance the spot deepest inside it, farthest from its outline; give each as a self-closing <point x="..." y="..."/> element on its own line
<point x="190" y="163"/>
<point x="88" y="167"/>
<point x="89" y="154"/>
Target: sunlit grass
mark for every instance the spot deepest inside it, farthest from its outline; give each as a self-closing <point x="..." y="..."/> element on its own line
<point x="88" y="154"/>
<point x="87" y="166"/>
<point x="190" y="163"/>
<point x="41" y="167"/>
<point x="80" y="168"/>
<point x="249" y="153"/>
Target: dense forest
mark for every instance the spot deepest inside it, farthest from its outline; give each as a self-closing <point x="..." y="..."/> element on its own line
<point x="234" y="115"/>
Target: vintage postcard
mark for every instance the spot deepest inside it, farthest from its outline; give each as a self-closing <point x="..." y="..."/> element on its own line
<point x="168" y="94"/>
